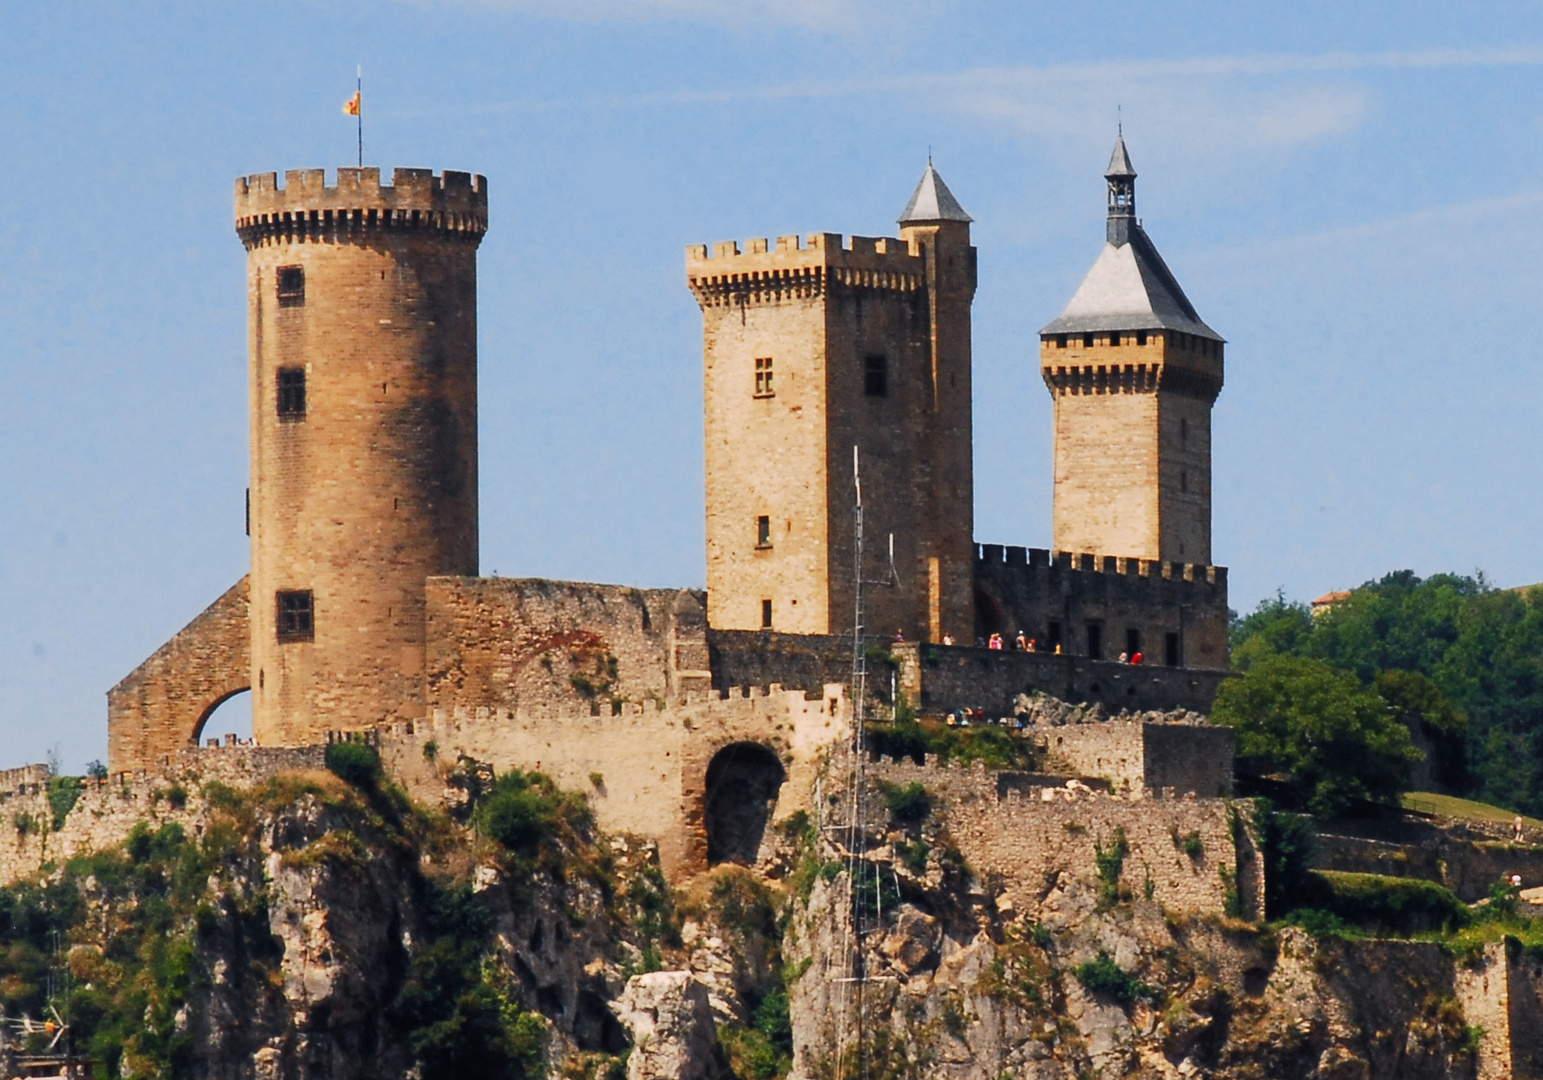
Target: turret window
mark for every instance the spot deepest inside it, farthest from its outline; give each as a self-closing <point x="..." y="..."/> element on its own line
<point x="291" y="286"/>
<point x="766" y="622"/>
<point x="763" y="377"/>
<point x="1087" y="341"/>
<point x="876" y="376"/>
<point x="291" y="393"/>
<point x="763" y="532"/>
<point x="1114" y="338"/>
<point x="296" y="615"/>
<point x="1141" y="337"/>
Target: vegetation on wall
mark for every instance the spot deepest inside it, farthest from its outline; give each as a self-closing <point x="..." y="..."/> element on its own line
<point x="1458" y="660"/>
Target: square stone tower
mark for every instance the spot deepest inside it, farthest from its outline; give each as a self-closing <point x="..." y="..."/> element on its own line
<point x="1133" y="372"/>
<point x="812" y="350"/>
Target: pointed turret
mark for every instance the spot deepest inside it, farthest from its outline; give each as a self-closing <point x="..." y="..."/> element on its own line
<point x="1134" y="372"/>
<point x="932" y="201"/>
<point x="1121" y="175"/>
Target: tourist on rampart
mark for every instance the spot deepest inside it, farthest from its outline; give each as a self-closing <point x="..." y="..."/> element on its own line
<point x="995" y="642"/>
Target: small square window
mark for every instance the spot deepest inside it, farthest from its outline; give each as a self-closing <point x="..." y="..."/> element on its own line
<point x="1087" y="341"/>
<point x="763" y="532"/>
<point x="291" y="393"/>
<point x="766" y="615"/>
<point x="296" y="615"/>
<point x="1132" y="641"/>
<point x="763" y="377"/>
<point x="291" y="286"/>
<point x="1141" y="337"/>
<point x="1114" y="339"/>
<point x="876" y="376"/>
<point x="1060" y="341"/>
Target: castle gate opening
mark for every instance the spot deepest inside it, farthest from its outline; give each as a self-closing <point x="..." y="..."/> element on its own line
<point x="742" y="783"/>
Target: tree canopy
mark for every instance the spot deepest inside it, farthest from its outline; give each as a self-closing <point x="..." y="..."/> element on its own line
<point x="1457" y="657"/>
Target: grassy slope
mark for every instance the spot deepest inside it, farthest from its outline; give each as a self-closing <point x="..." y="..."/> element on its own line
<point x="1450" y="806"/>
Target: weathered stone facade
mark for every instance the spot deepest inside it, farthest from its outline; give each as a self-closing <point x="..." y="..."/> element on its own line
<point x="814" y="352"/>
<point x="1147" y="758"/>
<point x="363" y="339"/>
<point x="645" y="768"/>
<point x="161" y="706"/>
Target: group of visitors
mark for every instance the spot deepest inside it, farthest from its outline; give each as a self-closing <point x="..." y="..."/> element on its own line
<point x="977" y="718"/>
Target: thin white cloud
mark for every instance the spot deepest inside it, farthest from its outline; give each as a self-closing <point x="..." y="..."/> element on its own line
<point x="827" y="16"/>
<point x="987" y="80"/>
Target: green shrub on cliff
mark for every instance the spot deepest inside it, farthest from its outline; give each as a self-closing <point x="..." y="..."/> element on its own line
<point x="1102" y="975"/>
<point x="355" y="763"/>
<point x="63" y="793"/>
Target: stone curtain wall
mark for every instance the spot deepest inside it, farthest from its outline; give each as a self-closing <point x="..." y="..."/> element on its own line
<point x="507" y="643"/>
<point x="1026" y="589"/>
<point x="161" y="705"/>
<point x="940" y="678"/>
<point x="108" y="809"/>
<point x="1147" y="757"/>
<point x="645" y="769"/>
<point x="757" y="658"/>
<point x="18" y="781"/>
<point x="1026" y="838"/>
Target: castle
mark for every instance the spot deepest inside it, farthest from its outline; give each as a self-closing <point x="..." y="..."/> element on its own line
<point x="828" y="365"/>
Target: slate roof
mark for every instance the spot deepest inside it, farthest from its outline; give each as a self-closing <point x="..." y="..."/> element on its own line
<point x="1119" y="161"/>
<point x="1130" y="288"/>
<point x="932" y="201"/>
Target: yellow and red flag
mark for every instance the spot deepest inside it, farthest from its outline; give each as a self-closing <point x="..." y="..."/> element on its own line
<point x="351" y="106"/>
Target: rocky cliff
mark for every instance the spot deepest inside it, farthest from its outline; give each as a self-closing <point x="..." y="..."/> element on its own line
<point x="311" y="928"/>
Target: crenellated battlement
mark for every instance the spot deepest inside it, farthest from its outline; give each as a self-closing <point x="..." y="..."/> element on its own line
<point x="306" y="208"/>
<point x="795" y="271"/>
<point x="1041" y="560"/>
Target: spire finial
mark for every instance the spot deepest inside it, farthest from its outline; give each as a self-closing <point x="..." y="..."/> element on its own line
<point x="1121" y="177"/>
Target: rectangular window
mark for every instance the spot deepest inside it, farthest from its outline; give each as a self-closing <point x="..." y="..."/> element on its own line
<point x="763" y="532"/>
<point x="876" y="376"/>
<point x="766" y="615"/>
<point x="291" y="393"/>
<point x="1172" y="653"/>
<point x="1096" y="640"/>
<point x="763" y="377"/>
<point x="1060" y="341"/>
<point x="1132" y="642"/>
<point x="291" y="286"/>
<point x="1114" y="339"/>
<point x="296" y="615"/>
<point x="1141" y="337"/>
<point x="1087" y="341"/>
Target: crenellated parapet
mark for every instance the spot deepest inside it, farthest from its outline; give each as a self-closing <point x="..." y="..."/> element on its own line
<point x="305" y="209"/>
<point x="795" y="271"/>
<point x="1100" y="606"/>
<point x="1042" y="560"/>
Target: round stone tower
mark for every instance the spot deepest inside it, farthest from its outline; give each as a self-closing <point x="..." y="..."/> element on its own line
<point x="362" y="306"/>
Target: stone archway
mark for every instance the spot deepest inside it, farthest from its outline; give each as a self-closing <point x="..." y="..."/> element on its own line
<point x="742" y="783"/>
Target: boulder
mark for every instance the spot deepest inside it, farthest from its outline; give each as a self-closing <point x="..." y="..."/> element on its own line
<point x="671" y="1021"/>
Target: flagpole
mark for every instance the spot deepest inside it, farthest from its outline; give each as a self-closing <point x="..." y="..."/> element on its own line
<point x="359" y="97"/>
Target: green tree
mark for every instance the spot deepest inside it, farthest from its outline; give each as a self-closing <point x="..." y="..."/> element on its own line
<point x="1337" y="741"/>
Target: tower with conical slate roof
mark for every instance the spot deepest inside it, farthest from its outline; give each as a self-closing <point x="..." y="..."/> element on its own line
<point x="813" y="348"/>
<point x="1133" y="372"/>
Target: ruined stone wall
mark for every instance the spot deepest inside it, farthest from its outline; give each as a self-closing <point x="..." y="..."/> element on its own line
<point x="644" y="769"/>
<point x="756" y="658"/>
<point x="1050" y="598"/>
<point x="108" y="809"/>
<point x="160" y="707"/>
<point x="1025" y="837"/>
<point x="1147" y="757"/>
<point x="940" y="678"/>
<point x="22" y="780"/>
<point x="368" y="293"/>
<point x="507" y="643"/>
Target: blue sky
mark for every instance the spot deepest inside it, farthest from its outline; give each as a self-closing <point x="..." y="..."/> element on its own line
<point x="1347" y="192"/>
